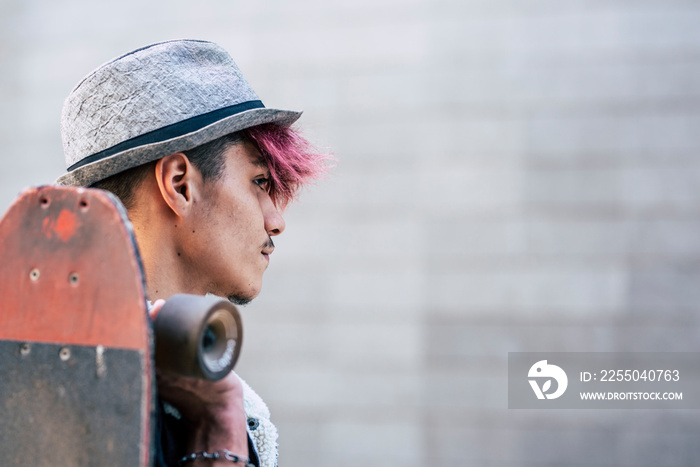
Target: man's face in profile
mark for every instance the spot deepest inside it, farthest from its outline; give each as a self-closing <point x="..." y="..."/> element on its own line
<point x="231" y="247"/>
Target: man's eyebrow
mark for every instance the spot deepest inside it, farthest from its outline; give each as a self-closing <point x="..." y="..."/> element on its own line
<point x="260" y="161"/>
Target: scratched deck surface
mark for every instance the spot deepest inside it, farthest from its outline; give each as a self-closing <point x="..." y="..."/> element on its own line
<point x="75" y="364"/>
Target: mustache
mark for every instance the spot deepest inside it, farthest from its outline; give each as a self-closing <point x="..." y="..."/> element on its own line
<point x="269" y="243"/>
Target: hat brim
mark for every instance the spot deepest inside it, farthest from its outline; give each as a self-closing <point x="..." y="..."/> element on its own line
<point x="124" y="160"/>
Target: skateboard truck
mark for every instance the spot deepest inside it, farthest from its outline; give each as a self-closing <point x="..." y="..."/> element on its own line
<point x="197" y="336"/>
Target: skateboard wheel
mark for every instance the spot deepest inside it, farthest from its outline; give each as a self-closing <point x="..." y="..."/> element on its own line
<point x="197" y="336"/>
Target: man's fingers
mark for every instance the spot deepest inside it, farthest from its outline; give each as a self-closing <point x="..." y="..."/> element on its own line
<point x="157" y="305"/>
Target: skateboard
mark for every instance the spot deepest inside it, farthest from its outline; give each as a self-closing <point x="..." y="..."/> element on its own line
<point x="77" y="348"/>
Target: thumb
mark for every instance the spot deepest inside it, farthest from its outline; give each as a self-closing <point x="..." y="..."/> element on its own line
<point x="155" y="308"/>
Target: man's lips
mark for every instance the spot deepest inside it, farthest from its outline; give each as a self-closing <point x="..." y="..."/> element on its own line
<point x="267" y="248"/>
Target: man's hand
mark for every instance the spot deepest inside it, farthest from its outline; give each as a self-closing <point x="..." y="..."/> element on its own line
<point x="214" y="408"/>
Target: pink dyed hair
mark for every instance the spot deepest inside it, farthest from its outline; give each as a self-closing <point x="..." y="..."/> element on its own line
<point x="292" y="160"/>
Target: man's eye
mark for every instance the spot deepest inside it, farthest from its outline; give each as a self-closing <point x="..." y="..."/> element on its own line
<point x="263" y="183"/>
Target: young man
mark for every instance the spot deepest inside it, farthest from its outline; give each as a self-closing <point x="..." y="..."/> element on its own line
<point x="203" y="168"/>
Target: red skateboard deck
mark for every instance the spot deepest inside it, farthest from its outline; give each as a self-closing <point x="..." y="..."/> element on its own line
<point x="76" y="376"/>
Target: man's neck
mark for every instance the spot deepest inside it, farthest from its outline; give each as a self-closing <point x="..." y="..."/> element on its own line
<point x="166" y="274"/>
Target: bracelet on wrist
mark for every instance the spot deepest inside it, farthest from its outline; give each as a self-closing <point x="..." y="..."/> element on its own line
<point x="224" y="454"/>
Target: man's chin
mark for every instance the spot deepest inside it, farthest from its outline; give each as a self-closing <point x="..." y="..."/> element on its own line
<point x="244" y="295"/>
<point x="240" y="298"/>
<point x="237" y="299"/>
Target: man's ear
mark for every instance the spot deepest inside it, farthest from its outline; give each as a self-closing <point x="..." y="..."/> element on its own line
<point x="179" y="181"/>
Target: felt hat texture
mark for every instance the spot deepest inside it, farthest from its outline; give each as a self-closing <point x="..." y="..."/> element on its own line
<point x="157" y="100"/>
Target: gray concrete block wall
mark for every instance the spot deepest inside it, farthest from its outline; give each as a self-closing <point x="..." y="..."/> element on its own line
<point x="511" y="176"/>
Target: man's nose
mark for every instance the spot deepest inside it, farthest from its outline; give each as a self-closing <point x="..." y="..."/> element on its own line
<point x="274" y="222"/>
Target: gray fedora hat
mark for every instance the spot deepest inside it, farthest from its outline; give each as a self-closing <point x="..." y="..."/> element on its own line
<point x="157" y="100"/>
